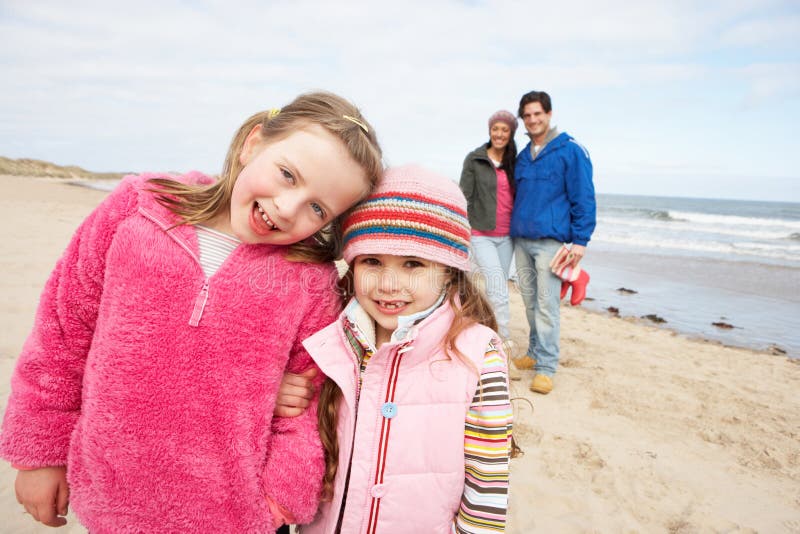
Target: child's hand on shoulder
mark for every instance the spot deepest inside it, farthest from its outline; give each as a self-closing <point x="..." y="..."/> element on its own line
<point x="44" y="494"/>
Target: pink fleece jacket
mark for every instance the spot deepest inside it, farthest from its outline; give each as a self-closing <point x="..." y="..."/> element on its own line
<point x="156" y="386"/>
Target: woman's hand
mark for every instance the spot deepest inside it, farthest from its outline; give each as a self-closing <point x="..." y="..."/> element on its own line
<point x="44" y="494"/>
<point x="295" y="393"/>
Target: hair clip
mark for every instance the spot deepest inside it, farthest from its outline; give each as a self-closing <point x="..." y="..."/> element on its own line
<point x="358" y="122"/>
<point x="274" y="112"/>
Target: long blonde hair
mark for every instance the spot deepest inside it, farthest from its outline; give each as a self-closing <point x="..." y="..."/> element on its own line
<point x="198" y="203"/>
<point x="470" y="306"/>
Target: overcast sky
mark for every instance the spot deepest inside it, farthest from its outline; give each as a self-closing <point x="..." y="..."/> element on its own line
<point x="679" y="98"/>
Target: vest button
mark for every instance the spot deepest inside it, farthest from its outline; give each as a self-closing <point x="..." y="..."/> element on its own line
<point x="378" y="490"/>
<point x="389" y="410"/>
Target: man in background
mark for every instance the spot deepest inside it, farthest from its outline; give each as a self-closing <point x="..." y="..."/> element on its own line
<point x="554" y="205"/>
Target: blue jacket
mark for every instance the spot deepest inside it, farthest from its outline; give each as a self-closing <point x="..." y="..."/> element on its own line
<point x="555" y="194"/>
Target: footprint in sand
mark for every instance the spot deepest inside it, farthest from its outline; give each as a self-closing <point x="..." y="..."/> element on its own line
<point x="792" y="526"/>
<point x="587" y="456"/>
<point x="527" y="434"/>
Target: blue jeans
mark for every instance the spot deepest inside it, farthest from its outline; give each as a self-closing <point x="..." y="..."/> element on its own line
<point x="540" y="290"/>
<point x="493" y="256"/>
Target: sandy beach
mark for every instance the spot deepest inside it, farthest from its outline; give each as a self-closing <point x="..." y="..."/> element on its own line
<point x="646" y="430"/>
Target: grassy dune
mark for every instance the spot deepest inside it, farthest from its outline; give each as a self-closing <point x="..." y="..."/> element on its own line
<point x="38" y="168"/>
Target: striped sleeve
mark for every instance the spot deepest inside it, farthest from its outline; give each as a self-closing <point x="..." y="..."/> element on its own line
<point x="487" y="445"/>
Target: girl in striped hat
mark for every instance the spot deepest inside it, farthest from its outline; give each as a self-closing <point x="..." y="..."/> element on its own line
<point x="415" y="414"/>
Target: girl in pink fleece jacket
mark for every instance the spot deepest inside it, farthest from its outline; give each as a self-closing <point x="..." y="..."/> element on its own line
<point x="145" y="393"/>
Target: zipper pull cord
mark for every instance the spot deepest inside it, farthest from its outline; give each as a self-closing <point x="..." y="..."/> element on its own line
<point x="199" y="305"/>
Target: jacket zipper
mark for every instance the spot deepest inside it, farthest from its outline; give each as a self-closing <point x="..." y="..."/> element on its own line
<point x="202" y="296"/>
<point x="199" y="305"/>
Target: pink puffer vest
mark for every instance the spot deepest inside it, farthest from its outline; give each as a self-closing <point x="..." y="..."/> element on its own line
<point x="407" y="471"/>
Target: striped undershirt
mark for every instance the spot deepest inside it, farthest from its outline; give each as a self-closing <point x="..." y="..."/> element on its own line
<point x="487" y="441"/>
<point x="215" y="247"/>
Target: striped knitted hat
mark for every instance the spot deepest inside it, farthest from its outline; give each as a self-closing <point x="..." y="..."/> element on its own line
<point x="413" y="212"/>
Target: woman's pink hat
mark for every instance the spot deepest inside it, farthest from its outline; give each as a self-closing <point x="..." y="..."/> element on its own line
<point x="505" y="117"/>
<point x="413" y="212"/>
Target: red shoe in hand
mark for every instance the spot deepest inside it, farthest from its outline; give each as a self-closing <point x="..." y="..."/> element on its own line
<point x="564" y="289"/>
<point x="578" y="288"/>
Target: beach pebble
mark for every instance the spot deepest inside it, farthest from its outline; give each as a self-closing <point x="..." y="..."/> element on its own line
<point x="626" y="291"/>
<point x="654" y="318"/>
<point x="721" y="324"/>
<point x="613" y="310"/>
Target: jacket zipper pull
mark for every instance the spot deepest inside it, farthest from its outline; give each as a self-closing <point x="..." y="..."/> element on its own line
<point x="199" y="305"/>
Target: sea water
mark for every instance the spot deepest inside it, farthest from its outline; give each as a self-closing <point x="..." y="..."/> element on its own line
<point x="694" y="262"/>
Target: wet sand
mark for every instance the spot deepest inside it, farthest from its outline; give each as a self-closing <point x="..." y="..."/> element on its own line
<point x="759" y="300"/>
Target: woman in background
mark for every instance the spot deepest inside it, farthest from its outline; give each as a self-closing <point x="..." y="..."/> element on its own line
<point x="487" y="181"/>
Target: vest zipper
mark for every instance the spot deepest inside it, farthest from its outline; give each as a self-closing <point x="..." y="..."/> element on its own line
<point x="352" y="449"/>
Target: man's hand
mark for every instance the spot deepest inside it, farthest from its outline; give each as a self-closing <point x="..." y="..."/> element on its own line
<point x="295" y="393"/>
<point x="44" y="494"/>
<point x="576" y="254"/>
<point x="567" y="257"/>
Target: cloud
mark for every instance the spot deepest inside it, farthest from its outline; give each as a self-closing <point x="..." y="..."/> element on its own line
<point x="164" y="84"/>
<point x="780" y="30"/>
<point x="769" y="82"/>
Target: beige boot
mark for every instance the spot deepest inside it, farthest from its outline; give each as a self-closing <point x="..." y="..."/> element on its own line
<point x="542" y="384"/>
<point x="524" y="363"/>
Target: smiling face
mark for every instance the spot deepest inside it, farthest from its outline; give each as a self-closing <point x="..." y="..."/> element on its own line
<point x="291" y="188"/>
<point x="536" y="121"/>
<point x="500" y="135"/>
<point x="389" y="286"/>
